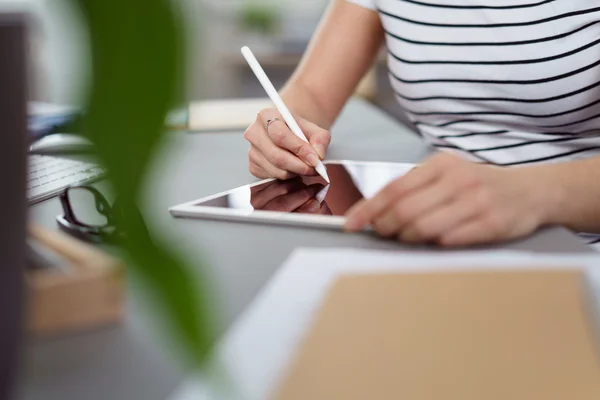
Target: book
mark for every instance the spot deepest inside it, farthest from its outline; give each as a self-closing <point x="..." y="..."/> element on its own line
<point x="229" y="114"/>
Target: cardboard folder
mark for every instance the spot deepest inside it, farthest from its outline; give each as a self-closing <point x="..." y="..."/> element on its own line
<point x="454" y="336"/>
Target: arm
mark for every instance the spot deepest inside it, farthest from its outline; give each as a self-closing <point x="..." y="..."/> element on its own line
<point x="340" y="53"/>
<point x="342" y="50"/>
<point x="572" y="191"/>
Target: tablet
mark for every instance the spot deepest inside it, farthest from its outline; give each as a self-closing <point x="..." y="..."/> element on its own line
<point x="302" y="201"/>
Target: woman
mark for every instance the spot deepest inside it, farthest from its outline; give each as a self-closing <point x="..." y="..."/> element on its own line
<point x="512" y="83"/>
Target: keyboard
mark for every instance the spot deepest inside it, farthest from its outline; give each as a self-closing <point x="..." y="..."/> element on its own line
<point x="48" y="176"/>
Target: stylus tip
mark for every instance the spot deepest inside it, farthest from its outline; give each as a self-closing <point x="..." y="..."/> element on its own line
<point x="323" y="172"/>
<point x="322" y="194"/>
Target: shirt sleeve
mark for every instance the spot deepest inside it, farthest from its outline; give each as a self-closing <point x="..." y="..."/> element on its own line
<point x="364" y="3"/>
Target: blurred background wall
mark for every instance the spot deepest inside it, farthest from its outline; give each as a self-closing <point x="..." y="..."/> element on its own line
<point x="58" y="53"/>
<point x="278" y="31"/>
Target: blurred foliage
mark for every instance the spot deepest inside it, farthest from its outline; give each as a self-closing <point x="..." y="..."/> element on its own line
<point x="256" y="17"/>
<point x="137" y="51"/>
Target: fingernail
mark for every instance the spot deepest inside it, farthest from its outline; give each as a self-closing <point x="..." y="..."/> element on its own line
<point x="313" y="206"/>
<point x="320" y="149"/>
<point x="312" y="159"/>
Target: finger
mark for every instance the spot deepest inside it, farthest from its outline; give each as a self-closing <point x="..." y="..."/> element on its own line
<point x="425" y="200"/>
<point x="275" y="189"/>
<point x="312" y="206"/>
<point x="258" y="171"/>
<point x="352" y="220"/>
<point x="443" y="220"/>
<point x="475" y="231"/>
<point x="281" y="135"/>
<point x="386" y="225"/>
<point x="416" y="203"/>
<point x="318" y="137"/>
<point x="258" y="189"/>
<point x="292" y="201"/>
<point x="256" y="162"/>
<point x="273" y="171"/>
<point x="278" y="157"/>
<point x="368" y="210"/>
<point x="325" y="210"/>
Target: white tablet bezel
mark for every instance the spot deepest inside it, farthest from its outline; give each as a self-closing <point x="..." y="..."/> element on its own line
<point x="192" y="210"/>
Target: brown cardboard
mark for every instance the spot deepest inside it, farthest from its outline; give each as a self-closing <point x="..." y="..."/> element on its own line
<point x="88" y="293"/>
<point x="452" y="336"/>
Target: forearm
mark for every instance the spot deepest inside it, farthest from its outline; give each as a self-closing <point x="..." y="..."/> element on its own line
<point x="340" y="53"/>
<point x="569" y="193"/>
<point x="303" y="103"/>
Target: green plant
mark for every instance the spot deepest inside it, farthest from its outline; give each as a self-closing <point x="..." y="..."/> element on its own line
<point x="258" y="18"/>
<point x="137" y="68"/>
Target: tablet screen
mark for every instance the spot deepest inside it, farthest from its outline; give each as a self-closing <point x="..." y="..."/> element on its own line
<point x="350" y="182"/>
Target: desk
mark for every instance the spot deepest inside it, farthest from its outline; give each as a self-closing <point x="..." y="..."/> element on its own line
<point x="127" y="362"/>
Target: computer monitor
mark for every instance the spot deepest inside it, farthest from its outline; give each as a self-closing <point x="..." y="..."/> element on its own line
<point x="13" y="204"/>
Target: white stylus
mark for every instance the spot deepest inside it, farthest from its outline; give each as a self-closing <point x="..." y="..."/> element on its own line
<point x="320" y="197"/>
<point x="276" y="99"/>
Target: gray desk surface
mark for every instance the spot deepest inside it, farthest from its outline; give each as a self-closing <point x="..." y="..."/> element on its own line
<point x="128" y="361"/>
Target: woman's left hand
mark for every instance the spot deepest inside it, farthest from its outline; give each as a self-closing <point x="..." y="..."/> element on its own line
<point x="454" y="202"/>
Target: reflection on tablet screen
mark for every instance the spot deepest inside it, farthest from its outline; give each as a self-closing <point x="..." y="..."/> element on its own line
<point x="312" y="195"/>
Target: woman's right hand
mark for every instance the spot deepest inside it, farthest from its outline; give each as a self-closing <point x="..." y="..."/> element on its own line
<point x="277" y="153"/>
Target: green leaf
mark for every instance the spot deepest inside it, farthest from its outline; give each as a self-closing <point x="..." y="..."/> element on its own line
<point x="137" y="69"/>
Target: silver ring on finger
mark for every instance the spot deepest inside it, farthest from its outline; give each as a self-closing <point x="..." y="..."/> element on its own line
<point x="269" y="122"/>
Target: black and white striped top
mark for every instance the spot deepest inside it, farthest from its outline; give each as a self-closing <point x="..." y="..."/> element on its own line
<point x="508" y="82"/>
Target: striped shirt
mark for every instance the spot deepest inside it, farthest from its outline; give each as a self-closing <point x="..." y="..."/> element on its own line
<point x="507" y="82"/>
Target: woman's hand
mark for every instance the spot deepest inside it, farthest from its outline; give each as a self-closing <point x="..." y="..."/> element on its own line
<point x="454" y="202"/>
<point x="276" y="152"/>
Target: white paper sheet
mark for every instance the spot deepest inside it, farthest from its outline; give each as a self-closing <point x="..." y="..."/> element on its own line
<point x="258" y="347"/>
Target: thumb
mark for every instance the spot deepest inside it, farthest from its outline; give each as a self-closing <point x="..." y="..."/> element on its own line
<point x="318" y="137"/>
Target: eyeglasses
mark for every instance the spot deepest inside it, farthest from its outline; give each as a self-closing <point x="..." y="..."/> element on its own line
<point x="88" y="216"/>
